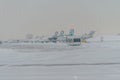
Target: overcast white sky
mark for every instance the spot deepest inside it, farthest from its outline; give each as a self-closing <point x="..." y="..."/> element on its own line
<point x="44" y="17"/>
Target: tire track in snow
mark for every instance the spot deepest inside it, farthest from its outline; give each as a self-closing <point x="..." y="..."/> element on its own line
<point x="53" y="65"/>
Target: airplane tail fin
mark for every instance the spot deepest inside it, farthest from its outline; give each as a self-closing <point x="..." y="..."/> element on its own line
<point x="91" y="34"/>
<point x="71" y="32"/>
<point x="87" y="36"/>
<point x="56" y="34"/>
<point x="62" y="33"/>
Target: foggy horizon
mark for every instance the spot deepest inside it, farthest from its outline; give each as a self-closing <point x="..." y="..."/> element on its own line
<point x="44" y="17"/>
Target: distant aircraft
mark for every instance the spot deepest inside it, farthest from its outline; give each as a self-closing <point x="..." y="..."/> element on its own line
<point x="62" y="36"/>
<point x="70" y="38"/>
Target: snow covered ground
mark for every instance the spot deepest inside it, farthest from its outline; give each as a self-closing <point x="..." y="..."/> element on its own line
<point x="91" y="61"/>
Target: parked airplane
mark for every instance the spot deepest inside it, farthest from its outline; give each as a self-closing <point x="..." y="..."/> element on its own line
<point x="70" y="39"/>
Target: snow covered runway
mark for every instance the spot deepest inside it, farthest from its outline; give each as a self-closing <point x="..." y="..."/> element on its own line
<point x="91" y="61"/>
